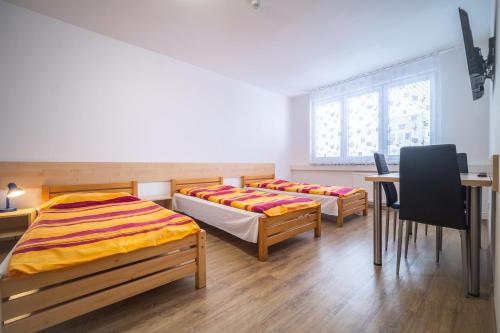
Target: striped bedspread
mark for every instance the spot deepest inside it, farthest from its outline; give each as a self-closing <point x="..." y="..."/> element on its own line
<point x="270" y="204"/>
<point x="283" y="185"/>
<point x="77" y="228"/>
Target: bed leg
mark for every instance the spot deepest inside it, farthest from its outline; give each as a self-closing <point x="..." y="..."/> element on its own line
<point x="262" y="241"/>
<point x="201" y="271"/>
<point x="317" y="230"/>
<point x="340" y="216"/>
<point x="365" y="211"/>
<point x="262" y="253"/>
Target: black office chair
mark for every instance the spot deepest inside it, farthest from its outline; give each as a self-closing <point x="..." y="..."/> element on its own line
<point x="391" y="195"/>
<point x="463" y="167"/>
<point x="431" y="193"/>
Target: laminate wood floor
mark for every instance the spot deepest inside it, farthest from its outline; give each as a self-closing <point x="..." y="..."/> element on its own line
<point x="309" y="285"/>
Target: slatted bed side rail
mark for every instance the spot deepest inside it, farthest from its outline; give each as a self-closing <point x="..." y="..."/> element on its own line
<point x="352" y="204"/>
<point x="276" y="229"/>
<point x="177" y="184"/>
<point x="247" y="180"/>
<point x="51" y="191"/>
<point x="34" y="302"/>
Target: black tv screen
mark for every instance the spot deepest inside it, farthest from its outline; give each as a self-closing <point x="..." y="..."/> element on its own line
<point x="475" y="61"/>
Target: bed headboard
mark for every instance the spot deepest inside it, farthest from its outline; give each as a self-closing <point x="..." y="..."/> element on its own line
<point x="247" y="180"/>
<point x="177" y="184"/>
<point x="51" y="191"/>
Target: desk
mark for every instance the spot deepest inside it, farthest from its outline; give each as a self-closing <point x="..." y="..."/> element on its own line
<point x="474" y="185"/>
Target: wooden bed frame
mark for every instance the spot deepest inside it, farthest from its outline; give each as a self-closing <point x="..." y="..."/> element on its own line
<point x="350" y="205"/>
<point x="272" y="230"/>
<point x="33" y="302"/>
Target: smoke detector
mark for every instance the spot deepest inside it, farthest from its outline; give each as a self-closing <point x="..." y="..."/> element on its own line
<point x="255" y="4"/>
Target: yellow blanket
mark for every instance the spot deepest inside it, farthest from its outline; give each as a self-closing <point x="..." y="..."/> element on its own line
<point x="283" y="185"/>
<point x="270" y="204"/>
<point x="77" y="228"/>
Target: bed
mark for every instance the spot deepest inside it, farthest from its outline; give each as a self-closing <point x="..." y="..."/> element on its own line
<point x="339" y="206"/>
<point x="250" y="226"/>
<point x="32" y="302"/>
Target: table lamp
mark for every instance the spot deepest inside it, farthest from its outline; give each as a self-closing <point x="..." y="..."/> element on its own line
<point x="13" y="192"/>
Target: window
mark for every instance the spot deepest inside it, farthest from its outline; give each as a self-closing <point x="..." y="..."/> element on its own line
<point x="362" y="124"/>
<point x="379" y="113"/>
<point x="409" y="115"/>
<point x="328" y="129"/>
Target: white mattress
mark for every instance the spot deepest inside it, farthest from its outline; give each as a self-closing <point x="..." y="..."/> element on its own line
<point x="328" y="203"/>
<point x="238" y="222"/>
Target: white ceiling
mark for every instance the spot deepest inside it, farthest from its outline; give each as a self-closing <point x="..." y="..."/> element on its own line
<point x="288" y="46"/>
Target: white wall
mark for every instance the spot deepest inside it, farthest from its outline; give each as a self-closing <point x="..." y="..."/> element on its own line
<point x="463" y="122"/>
<point x="68" y="94"/>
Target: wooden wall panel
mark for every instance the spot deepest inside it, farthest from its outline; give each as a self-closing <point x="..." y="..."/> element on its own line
<point x="35" y="174"/>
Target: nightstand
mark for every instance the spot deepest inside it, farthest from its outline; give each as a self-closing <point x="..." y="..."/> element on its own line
<point x="14" y="224"/>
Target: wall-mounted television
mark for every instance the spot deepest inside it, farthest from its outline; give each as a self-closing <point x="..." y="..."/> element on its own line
<point x="479" y="68"/>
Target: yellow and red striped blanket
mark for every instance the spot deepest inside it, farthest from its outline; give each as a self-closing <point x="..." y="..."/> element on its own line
<point x="283" y="185"/>
<point x="270" y="204"/>
<point x="77" y="228"/>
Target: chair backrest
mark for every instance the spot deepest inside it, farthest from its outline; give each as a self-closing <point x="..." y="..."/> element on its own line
<point x="391" y="194"/>
<point x="430" y="188"/>
<point x="463" y="166"/>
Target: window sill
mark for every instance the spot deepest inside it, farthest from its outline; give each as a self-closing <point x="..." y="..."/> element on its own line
<point x="341" y="167"/>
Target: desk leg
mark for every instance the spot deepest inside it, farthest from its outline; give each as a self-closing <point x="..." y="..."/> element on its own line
<point x="377" y="224"/>
<point x="475" y="240"/>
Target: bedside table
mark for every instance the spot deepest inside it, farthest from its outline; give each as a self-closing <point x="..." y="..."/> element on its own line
<point x="14" y="224"/>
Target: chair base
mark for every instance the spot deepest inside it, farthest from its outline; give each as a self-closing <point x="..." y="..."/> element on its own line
<point x="394" y="227"/>
<point x="439" y="248"/>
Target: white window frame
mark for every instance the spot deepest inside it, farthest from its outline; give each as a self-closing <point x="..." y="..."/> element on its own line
<point x="382" y="89"/>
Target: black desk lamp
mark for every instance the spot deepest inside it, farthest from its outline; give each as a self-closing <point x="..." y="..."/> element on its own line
<point x="13" y="192"/>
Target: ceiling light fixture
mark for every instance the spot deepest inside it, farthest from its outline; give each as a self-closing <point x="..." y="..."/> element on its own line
<point x="256" y="4"/>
